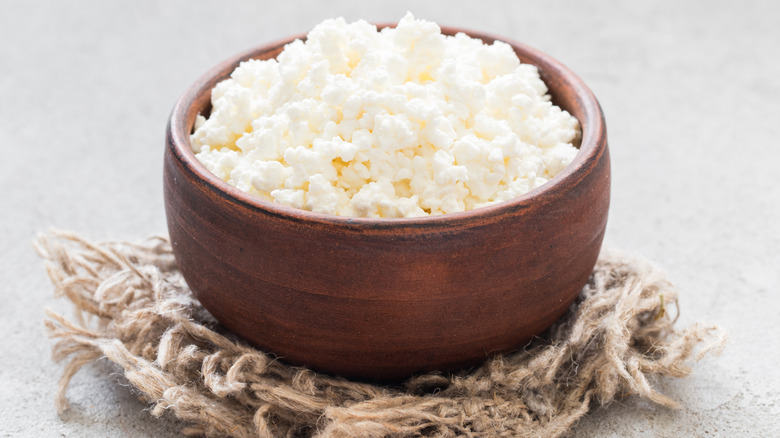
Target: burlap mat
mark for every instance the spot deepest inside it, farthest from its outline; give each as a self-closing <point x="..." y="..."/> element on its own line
<point x="134" y="309"/>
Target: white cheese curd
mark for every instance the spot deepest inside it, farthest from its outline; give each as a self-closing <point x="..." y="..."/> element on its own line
<point x="402" y="122"/>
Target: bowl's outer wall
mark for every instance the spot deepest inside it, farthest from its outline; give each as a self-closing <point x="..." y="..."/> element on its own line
<point x="388" y="301"/>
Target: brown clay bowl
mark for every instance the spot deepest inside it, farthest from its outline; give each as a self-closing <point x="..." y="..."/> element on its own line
<point x="386" y="298"/>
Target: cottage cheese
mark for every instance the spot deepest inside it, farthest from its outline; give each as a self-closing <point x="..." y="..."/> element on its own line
<point x="399" y="123"/>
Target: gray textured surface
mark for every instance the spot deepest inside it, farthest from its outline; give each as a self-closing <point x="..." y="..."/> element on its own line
<point x="690" y="91"/>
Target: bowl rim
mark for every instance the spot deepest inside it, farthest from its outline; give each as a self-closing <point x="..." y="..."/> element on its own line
<point x="593" y="144"/>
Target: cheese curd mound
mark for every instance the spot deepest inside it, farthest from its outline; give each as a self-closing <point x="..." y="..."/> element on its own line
<point x="403" y="122"/>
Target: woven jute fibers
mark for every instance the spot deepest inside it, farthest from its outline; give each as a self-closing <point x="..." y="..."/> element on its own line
<point x="134" y="309"/>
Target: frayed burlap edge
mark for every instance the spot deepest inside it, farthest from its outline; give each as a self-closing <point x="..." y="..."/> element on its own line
<point x="133" y="308"/>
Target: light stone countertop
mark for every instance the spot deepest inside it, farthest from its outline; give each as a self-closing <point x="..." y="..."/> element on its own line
<point x="690" y="91"/>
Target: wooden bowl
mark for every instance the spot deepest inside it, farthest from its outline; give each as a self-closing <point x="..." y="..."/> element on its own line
<point x="386" y="298"/>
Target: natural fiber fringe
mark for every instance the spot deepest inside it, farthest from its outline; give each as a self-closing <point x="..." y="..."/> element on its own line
<point x="134" y="308"/>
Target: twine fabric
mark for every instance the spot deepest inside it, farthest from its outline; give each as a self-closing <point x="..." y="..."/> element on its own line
<point x="134" y="309"/>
